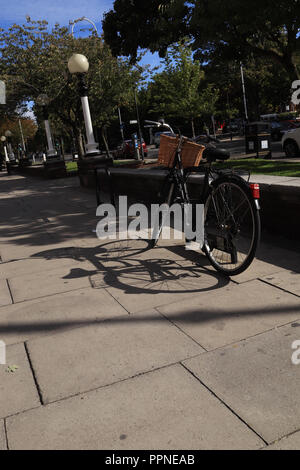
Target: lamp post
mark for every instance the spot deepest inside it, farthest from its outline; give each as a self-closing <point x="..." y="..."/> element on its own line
<point x="54" y="166"/>
<point x="244" y="93"/>
<point x="83" y="18"/>
<point x="43" y="100"/>
<point x="8" y="135"/>
<point x="79" y="65"/>
<point x="22" y="136"/>
<point x="93" y="160"/>
<point x="3" y="140"/>
<point x="139" y="127"/>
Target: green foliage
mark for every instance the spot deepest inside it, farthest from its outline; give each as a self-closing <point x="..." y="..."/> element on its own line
<point x="231" y="30"/>
<point x="34" y="61"/>
<point x="267" y="87"/>
<point x="29" y="128"/>
<point x="178" y="91"/>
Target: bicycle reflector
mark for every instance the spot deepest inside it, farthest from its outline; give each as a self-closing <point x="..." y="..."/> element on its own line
<point x="255" y="190"/>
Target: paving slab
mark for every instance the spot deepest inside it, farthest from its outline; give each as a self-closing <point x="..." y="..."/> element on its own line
<point x="269" y="259"/>
<point x="17" y="389"/>
<point x="270" y="179"/>
<point x="156" y="282"/>
<point x="279" y="256"/>
<point x="70" y="223"/>
<point x="50" y="282"/>
<point x="35" y="265"/>
<point x="257" y="380"/>
<point x="20" y="230"/>
<point x="42" y="317"/>
<point x="5" y="297"/>
<point x="257" y="269"/>
<point x="232" y="313"/>
<point x="105" y="353"/>
<point x="165" y="409"/>
<point x="286" y="280"/>
<point x="31" y="246"/>
<point x="2" y="436"/>
<point x="294" y="182"/>
<point x="152" y="271"/>
<point x="286" y="443"/>
<point x="118" y="254"/>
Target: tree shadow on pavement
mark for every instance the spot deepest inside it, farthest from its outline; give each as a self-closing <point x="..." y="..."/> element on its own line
<point x="198" y="316"/>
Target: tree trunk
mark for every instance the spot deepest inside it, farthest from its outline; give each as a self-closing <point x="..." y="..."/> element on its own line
<point x="193" y="128"/>
<point x="105" y="142"/>
<point x="79" y="144"/>
<point x="291" y="68"/>
<point x="62" y="147"/>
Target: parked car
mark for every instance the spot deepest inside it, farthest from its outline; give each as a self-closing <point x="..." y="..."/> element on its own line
<point x="227" y="128"/>
<point x="126" y="149"/>
<point x="279" y="128"/>
<point x="291" y="143"/>
<point x="157" y="137"/>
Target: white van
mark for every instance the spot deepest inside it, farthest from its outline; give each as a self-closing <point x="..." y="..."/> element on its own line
<point x="291" y="143"/>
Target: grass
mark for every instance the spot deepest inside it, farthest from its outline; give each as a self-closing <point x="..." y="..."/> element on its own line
<point x="256" y="166"/>
<point x="124" y="162"/>
<point x="71" y="166"/>
<point x="263" y="167"/>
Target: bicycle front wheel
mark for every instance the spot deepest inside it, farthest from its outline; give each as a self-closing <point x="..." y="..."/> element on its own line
<point x="232" y="226"/>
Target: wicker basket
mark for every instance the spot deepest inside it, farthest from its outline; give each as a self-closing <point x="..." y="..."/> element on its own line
<point x="191" y="153"/>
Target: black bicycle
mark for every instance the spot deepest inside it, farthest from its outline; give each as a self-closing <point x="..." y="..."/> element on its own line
<point x="231" y="207"/>
<point x="231" y="204"/>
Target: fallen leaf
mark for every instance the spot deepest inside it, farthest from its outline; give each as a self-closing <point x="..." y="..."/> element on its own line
<point x="12" y="369"/>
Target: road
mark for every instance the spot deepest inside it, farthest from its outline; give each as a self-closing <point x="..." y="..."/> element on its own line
<point x="236" y="148"/>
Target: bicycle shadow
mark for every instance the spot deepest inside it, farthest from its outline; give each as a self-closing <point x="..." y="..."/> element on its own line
<point x="129" y="265"/>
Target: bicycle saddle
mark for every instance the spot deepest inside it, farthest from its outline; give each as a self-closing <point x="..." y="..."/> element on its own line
<point x="211" y="154"/>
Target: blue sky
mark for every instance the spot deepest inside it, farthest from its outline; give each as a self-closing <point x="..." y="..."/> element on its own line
<point x="60" y="11"/>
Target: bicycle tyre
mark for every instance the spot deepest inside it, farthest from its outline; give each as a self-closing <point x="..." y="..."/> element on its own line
<point x="230" y="214"/>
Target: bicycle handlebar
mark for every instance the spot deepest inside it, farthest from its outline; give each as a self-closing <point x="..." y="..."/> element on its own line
<point x="159" y="124"/>
<point x="206" y="137"/>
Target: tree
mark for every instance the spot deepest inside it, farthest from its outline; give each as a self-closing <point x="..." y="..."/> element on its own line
<point x="34" y="61"/>
<point x="231" y="30"/>
<point x="17" y="126"/>
<point x="178" y="91"/>
<point x="267" y="87"/>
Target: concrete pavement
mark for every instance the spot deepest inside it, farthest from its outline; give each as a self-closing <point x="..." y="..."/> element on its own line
<point x="111" y="345"/>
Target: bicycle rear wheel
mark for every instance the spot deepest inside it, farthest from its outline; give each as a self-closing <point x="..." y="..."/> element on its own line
<point x="232" y="226"/>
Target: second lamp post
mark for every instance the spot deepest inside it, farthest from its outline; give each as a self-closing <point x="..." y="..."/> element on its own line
<point x="79" y="65"/>
<point x="43" y="100"/>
